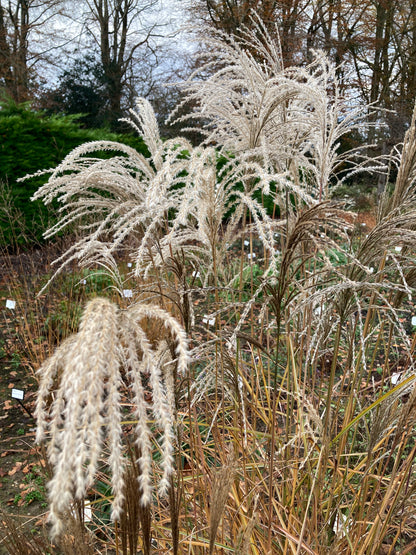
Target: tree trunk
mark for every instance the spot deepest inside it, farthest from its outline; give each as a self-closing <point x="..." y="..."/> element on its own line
<point x="5" y="55"/>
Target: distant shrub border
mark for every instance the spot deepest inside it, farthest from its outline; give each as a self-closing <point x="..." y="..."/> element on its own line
<point x="32" y="141"/>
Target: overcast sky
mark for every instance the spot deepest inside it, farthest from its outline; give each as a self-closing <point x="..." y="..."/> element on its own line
<point x="68" y="39"/>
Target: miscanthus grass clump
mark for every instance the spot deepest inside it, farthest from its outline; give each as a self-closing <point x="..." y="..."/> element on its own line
<point x="301" y="359"/>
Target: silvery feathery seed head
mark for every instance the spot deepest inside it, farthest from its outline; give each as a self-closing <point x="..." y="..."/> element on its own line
<point x="269" y="124"/>
<point x="288" y="119"/>
<point x="110" y="350"/>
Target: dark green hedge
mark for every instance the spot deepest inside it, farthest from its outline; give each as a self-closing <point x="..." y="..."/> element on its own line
<point x="32" y="141"/>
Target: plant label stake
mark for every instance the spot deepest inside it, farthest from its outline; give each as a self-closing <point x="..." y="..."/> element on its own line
<point x="19" y="395"/>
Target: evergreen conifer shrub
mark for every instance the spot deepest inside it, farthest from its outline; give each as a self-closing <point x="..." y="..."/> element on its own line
<point x="31" y="141"/>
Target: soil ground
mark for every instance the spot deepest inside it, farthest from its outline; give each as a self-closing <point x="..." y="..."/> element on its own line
<point x="22" y="473"/>
<point x="22" y="488"/>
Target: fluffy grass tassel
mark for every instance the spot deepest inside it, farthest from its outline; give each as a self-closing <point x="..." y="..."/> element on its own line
<point x="86" y="373"/>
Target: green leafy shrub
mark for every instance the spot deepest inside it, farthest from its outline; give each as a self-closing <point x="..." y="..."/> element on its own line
<point x="31" y="141"/>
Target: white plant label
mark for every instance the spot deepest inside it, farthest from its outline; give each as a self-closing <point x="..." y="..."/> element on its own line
<point x="209" y="321"/>
<point x="398" y="249"/>
<point x="18" y="394"/>
<point x="319" y="310"/>
<point x="10" y="304"/>
<point x="246" y="243"/>
<point x="413" y="320"/>
<point x="129" y="264"/>
<point x="395" y="378"/>
<point x="87" y="513"/>
<point x="127" y="293"/>
<point x="251" y="255"/>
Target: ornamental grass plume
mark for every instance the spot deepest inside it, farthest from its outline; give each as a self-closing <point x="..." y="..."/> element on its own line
<point x="271" y="131"/>
<point x="126" y="195"/>
<point x="221" y="486"/>
<point x="289" y="121"/>
<point x="110" y="351"/>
